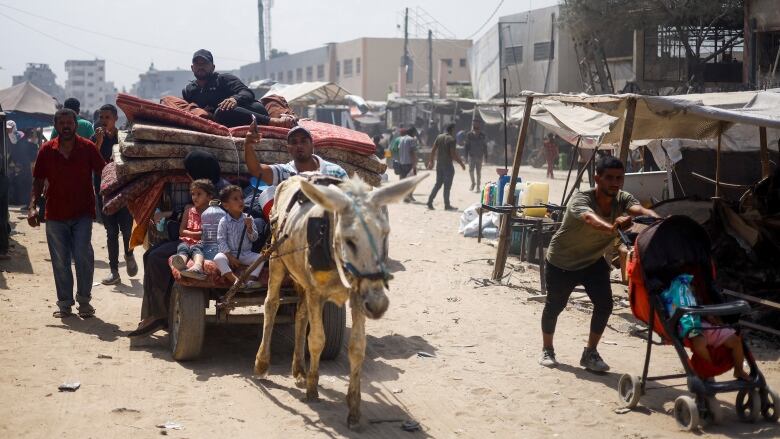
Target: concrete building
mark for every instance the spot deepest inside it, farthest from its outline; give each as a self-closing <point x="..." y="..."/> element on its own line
<point x="155" y="84"/>
<point x="762" y="43"/>
<point x="87" y="83"/>
<point x="41" y="76"/>
<point x="531" y="50"/>
<point x="368" y="67"/>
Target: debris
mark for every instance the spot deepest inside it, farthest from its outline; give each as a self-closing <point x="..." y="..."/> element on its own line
<point x="125" y="410"/>
<point x="609" y="342"/>
<point x="69" y="387"/>
<point x="453" y="299"/>
<point x="105" y="357"/>
<point x="425" y="355"/>
<point x="410" y="426"/>
<point x="170" y="425"/>
<point x="397" y="391"/>
<point x="96" y="284"/>
<point x="622" y="410"/>
<point x="539" y="298"/>
<point x="48" y="395"/>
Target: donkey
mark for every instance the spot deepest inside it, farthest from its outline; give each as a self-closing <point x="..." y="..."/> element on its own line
<point x="359" y="234"/>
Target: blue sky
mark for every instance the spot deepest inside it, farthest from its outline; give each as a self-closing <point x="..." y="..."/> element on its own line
<point x="167" y="31"/>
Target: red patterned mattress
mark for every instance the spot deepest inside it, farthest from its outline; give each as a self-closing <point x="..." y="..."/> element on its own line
<point x="323" y="134"/>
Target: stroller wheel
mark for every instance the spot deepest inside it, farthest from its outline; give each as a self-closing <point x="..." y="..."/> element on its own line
<point x="714" y="412"/>
<point x="629" y="390"/>
<point x="748" y="405"/>
<point x="769" y="404"/>
<point x="686" y="413"/>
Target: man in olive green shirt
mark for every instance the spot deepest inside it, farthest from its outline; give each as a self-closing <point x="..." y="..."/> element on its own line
<point x="576" y="256"/>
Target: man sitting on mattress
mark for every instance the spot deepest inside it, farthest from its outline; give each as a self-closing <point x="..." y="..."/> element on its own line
<point x="223" y="97"/>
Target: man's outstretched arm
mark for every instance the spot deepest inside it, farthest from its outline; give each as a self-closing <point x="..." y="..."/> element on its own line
<point x="256" y="169"/>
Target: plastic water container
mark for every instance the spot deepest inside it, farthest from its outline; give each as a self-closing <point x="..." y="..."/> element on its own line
<point x="490" y="194"/>
<point x="209" y="221"/>
<point x="535" y="193"/>
<point x="504" y="191"/>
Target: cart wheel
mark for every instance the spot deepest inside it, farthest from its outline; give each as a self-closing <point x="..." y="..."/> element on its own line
<point x="187" y="322"/>
<point x="769" y="402"/>
<point x="334" y="321"/>
<point x="714" y="411"/>
<point x="629" y="390"/>
<point x="686" y="413"/>
<point x="748" y="405"/>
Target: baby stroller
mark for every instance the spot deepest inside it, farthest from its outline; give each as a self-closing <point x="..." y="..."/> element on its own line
<point x="667" y="248"/>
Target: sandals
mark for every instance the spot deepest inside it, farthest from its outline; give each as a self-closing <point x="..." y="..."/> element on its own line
<point x="147" y="329"/>
<point x="62" y="313"/>
<point x="193" y="273"/>
<point x="86" y="311"/>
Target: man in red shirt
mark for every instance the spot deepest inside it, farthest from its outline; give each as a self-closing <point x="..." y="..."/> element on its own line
<point x="67" y="163"/>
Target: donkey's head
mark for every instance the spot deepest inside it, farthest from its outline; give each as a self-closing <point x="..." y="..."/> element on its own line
<point x="360" y="235"/>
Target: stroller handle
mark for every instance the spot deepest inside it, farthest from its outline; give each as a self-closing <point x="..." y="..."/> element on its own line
<point x="737" y="307"/>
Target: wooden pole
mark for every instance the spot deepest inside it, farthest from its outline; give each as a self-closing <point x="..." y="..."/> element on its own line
<point x="717" y="162"/>
<point x="628" y="129"/>
<point x="574" y="158"/>
<point x="764" y="151"/>
<point x="506" y="220"/>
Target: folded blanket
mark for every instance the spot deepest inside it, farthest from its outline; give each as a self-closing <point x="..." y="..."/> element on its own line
<point x="136" y="188"/>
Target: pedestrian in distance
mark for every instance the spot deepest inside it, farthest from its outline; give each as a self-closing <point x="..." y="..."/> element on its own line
<point x="444" y="152"/>
<point x="475" y="150"/>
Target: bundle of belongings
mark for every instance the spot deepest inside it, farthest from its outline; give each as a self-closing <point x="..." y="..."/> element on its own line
<point x="149" y="160"/>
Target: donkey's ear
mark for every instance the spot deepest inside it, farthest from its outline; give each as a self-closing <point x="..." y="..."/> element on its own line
<point x="395" y="192"/>
<point x="331" y="198"/>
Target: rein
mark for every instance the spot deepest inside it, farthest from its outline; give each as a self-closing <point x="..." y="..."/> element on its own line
<point x="382" y="273"/>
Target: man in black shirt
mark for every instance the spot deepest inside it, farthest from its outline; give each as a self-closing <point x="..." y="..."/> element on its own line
<point x="106" y="136"/>
<point x="444" y="153"/>
<point x="224" y="96"/>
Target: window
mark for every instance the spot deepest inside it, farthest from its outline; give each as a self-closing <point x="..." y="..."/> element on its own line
<point x="543" y="50"/>
<point x="513" y="55"/>
<point x="280" y="76"/>
<point x="447" y="61"/>
<point x="357" y="66"/>
<point x="463" y="62"/>
<point x="100" y="68"/>
<point x="272" y="76"/>
<point x="310" y="73"/>
<point x="169" y="79"/>
<point x="90" y="74"/>
<point x="100" y="78"/>
<point x="90" y="95"/>
<point x="347" y="67"/>
<point x="76" y="83"/>
<point x="299" y="74"/>
<point x="321" y="71"/>
<point x="289" y="77"/>
<point x="90" y="84"/>
<point x="77" y="72"/>
<point x="338" y="68"/>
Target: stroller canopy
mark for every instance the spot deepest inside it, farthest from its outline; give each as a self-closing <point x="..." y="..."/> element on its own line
<point x="670" y="248"/>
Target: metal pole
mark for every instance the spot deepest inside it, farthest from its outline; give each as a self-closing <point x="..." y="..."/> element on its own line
<point x="405" y="64"/>
<point x="430" y="64"/>
<point x="764" y="152"/>
<point x="506" y="141"/>
<point x="717" y="163"/>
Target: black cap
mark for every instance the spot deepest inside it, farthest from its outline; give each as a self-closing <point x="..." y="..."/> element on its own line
<point x="73" y="104"/>
<point x="298" y="129"/>
<point x="205" y="54"/>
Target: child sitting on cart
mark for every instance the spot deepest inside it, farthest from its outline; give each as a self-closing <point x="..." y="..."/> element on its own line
<point x="190" y="231"/>
<point x="235" y="235"/>
<point x="703" y="333"/>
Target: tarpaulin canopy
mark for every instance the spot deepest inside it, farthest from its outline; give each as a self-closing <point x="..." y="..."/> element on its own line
<point x="28" y="105"/>
<point x="572" y="122"/>
<point x="311" y="93"/>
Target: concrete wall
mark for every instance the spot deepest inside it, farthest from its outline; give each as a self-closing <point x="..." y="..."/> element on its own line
<point x="87" y="83"/>
<point x="286" y="68"/>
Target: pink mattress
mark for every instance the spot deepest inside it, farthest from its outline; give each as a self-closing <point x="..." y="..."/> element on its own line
<point x="323" y="134"/>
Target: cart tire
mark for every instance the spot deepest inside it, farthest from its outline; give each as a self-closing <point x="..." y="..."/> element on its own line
<point x="714" y="410"/>
<point x="187" y="322"/>
<point x="748" y="405"/>
<point x="769" y="405"/>
<point x="686" y="413"/>
<point x="334" y="322"/>
<point x="630" y="390"/>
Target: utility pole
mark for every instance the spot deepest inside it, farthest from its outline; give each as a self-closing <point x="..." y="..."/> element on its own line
<point x="405" y="63"/>
<point x="430" y="64"/>
<point x="261" y="37"/>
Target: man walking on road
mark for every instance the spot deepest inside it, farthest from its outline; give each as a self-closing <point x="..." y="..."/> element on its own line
<point x="576" y="257"/>
<point x="68" y="162"/>
<point x="407" y="157"/>
<point x="476" y="150"/>
<point x="444" y="152"/>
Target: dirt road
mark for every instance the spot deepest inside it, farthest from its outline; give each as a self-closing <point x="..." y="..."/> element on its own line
<point x="482" y="381"/>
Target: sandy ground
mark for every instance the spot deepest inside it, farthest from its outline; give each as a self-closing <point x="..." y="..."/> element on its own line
<point x="483" y="380"/>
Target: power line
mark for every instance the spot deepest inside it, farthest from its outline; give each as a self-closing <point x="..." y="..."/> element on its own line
<point x="495" y="11"/>
<point x="96" y="55"/>
<point x="113" y="37"/>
